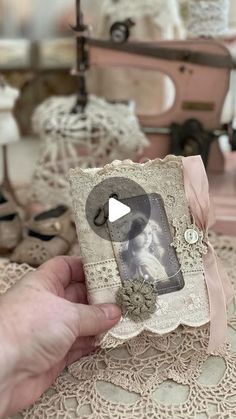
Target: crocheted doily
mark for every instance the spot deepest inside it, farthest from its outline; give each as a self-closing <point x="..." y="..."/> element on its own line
<point x="170" y="377"/>
<point x="103" y="133"/>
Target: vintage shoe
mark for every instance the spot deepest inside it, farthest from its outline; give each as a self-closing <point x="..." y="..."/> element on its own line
<point x="49" y="234"/>
<point x="10" y="224"/>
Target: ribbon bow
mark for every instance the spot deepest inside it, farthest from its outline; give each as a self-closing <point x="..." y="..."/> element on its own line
<point x="219" y="288"/>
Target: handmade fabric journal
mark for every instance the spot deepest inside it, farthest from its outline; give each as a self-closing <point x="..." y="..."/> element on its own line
<point x="155" y="262"/>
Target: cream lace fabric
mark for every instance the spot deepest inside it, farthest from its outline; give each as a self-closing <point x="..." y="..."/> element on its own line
<point x="103" y="133"/>
<point x="187" y="306"/>
<point x="170" y="377"/>
<point x="208" y="18"/>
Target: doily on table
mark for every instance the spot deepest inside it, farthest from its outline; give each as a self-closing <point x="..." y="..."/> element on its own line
<point x="103" y="133"/>
<point x="10" y="273"/>
<point x="170" y="377"/>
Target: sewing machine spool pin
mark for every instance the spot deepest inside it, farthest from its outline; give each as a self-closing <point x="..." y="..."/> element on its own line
<point x="81" y="60"/>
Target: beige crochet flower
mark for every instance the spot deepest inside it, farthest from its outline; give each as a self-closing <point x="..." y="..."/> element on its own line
<point x="137" y="299"/>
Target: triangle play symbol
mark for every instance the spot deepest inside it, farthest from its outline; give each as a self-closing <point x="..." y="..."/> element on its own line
<point x="117" y="210"/>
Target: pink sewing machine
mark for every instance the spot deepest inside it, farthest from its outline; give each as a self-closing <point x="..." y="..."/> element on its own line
<point x="200" y="70"/>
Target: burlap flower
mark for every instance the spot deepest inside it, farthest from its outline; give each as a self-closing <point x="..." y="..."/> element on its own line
<point x="137" y="299"/>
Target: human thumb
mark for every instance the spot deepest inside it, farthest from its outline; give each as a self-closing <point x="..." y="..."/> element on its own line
<point x="96" y="319"/>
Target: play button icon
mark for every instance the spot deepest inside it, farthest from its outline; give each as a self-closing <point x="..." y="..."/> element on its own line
<point x="117" y="210"/>
<point x="112" y="207"/>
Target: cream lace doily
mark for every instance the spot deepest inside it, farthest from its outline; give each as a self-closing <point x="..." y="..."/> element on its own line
<point x="103" y="133"/>
<point x="170" y="377"/>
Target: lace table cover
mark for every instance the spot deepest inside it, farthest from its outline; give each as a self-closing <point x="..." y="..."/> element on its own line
<point x="169" y="377"/>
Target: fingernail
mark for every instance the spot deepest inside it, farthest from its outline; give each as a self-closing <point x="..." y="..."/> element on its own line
<point x="111" y="311"/>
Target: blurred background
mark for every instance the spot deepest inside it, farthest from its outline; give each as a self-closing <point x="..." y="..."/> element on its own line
<point x="38" y="19"/>
<point x="35" y="19"/>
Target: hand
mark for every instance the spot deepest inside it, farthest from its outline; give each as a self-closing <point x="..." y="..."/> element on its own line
<point x="45" y="325"/>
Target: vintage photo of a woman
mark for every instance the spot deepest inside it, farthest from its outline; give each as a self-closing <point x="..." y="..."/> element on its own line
<point x="145" y="251"/>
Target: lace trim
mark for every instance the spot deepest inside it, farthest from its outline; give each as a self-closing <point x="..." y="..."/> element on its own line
<point x="189" y="306"/>
<point x="190" y="255"/>
<point x="102" y="275"/>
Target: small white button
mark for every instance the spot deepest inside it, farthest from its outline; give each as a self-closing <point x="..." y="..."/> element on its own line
<point x="191" y="236"/>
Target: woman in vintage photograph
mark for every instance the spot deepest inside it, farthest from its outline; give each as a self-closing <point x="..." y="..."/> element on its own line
<point x="145" y="251"/>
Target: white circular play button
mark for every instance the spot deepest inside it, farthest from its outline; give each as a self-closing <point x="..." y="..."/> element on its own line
<point x="113" y="205"/>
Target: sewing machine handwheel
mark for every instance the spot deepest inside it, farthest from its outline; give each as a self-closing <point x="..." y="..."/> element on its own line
<point x="120" y="32"/>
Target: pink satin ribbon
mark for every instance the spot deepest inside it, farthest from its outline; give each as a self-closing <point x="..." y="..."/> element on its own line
<point x="220" y="291"/>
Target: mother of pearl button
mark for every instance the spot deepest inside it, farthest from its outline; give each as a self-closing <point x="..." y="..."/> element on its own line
<point x="191" y="236"/>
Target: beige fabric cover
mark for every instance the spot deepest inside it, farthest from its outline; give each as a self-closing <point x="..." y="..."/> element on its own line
<point x="188" y="306"/>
